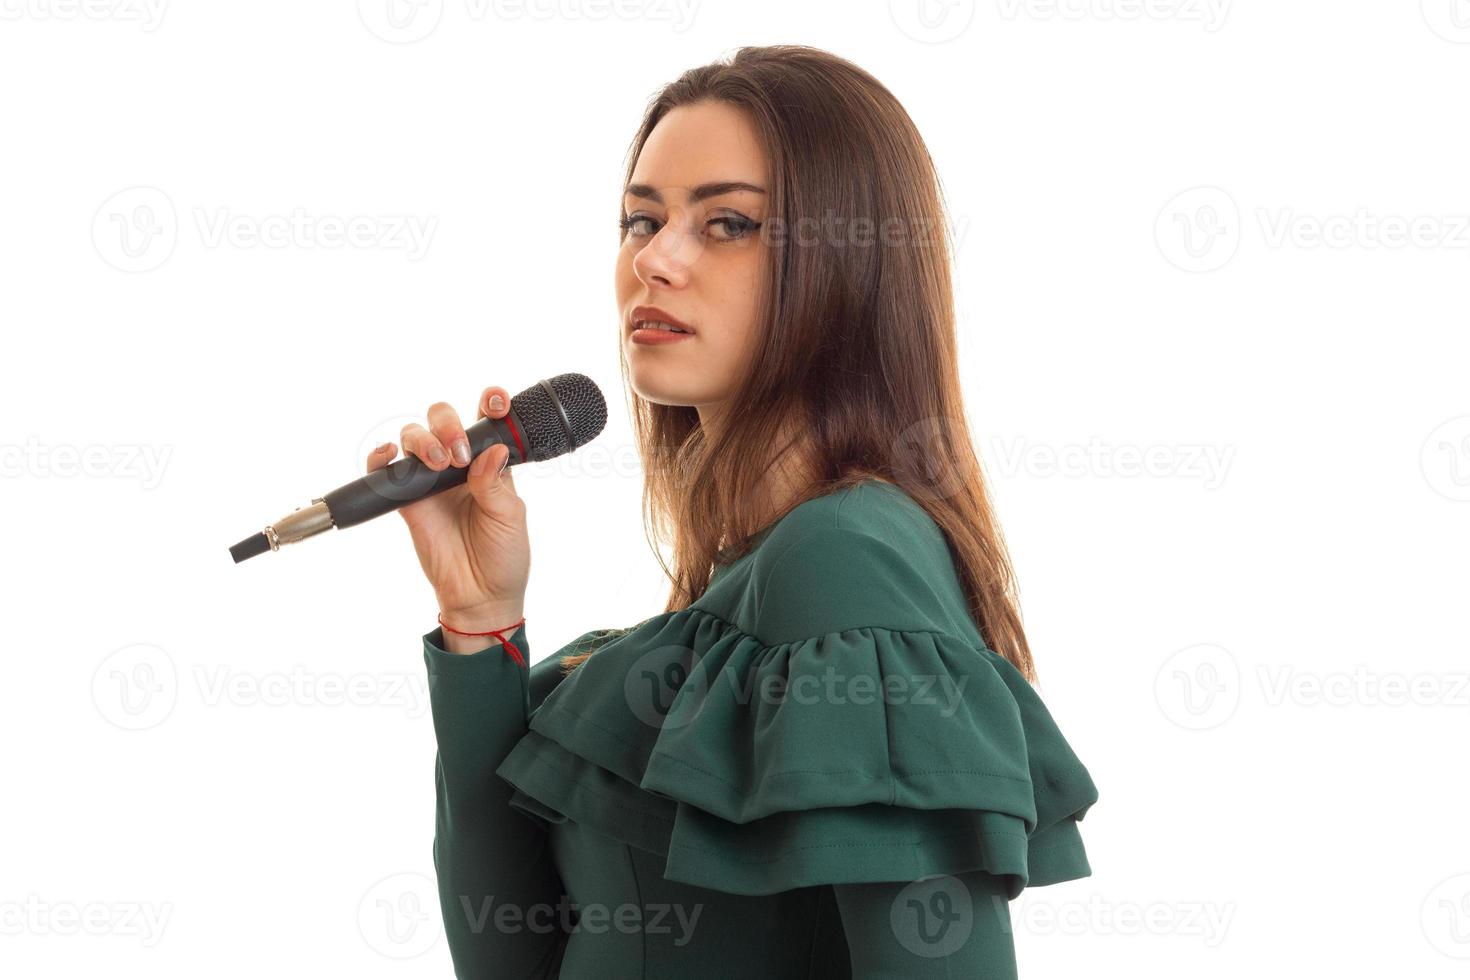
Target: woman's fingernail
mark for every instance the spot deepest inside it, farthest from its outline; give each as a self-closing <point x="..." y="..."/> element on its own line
<point x="496" y="403"/>
<point x="436" y="455"/>
<point x="462" y="452"/>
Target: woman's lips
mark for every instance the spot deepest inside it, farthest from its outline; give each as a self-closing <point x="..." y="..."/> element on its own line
<point x="654" y="337"/>
<point x="657" y="315"/>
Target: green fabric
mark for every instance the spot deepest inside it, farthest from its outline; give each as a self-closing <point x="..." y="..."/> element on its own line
<point x="819" y="762"/>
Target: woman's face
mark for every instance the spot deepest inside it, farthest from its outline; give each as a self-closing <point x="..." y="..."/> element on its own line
<point x="691" y="249"/>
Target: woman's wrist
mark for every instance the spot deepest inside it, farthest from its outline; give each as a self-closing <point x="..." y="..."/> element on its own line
<point x="479" y="619"/>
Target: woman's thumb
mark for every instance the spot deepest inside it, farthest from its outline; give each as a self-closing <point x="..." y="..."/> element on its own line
<point x="489" y="479"/>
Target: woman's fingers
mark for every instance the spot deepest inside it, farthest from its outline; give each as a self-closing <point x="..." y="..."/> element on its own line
<point x="381" y="457"/>
<point x="444" y="442"/>
<point x="445" y="426"/>
<point x="420" y="442"/>
<point x="494" y="402"/>
<point x="487" y="478"/>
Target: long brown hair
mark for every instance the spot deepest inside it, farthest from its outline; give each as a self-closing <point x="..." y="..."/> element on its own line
<point x="855" y="359"/>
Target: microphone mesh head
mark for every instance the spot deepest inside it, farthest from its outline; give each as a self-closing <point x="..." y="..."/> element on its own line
<point x="559" y="415"/>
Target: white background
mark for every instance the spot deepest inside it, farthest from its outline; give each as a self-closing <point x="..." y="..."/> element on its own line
<point x="1229" y="239"/>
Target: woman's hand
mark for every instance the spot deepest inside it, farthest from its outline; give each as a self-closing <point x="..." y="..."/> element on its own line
<point x="471" y="539"/>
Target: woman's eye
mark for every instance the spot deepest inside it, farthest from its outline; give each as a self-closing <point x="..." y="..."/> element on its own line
<point x="630" y="223"/>
<point x="736" y="227"/>
<point x="731" y="227"/>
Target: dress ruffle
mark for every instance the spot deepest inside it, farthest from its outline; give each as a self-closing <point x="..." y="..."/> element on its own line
<point x="755" y="768"/>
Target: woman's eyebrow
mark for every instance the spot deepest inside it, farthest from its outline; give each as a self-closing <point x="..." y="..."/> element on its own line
<point x="647" y="192"/>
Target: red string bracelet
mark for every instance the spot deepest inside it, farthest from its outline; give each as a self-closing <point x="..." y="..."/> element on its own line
<point x="510" y="648"/>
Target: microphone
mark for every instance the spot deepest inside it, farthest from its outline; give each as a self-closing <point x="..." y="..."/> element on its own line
<point x="548" y="419"/>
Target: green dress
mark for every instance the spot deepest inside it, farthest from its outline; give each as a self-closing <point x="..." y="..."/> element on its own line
<point x="816" y="770"/>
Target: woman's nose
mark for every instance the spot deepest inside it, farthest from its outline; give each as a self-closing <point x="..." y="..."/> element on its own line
<point x="669" y="254"/>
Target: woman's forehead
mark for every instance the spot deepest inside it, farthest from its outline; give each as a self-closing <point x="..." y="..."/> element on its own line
<point x="695" y="145"/>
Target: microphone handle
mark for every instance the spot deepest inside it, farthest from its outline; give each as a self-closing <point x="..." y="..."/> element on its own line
<point x="409" y="479"/>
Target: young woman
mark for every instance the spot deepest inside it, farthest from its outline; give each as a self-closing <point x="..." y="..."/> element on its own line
<point x="825" y="758"/>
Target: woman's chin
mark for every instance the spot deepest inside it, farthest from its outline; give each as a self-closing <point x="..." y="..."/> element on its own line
<point x="653" y="387"/>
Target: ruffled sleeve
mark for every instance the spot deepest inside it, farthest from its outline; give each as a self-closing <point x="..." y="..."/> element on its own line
<point x="834" y="726"/>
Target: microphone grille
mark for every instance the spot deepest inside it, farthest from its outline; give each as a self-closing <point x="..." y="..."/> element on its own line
<point x="560" y="414"/>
